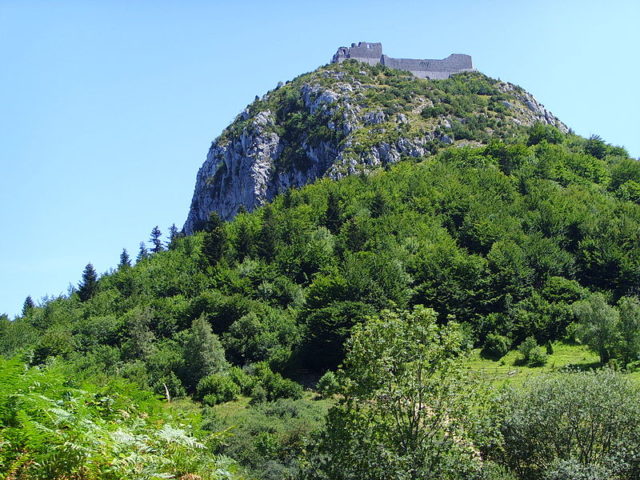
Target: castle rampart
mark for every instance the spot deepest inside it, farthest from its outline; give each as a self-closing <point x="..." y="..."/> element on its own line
<point x="371" y="53"/>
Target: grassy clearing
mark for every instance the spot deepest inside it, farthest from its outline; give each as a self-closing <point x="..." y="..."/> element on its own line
<point x="506" y="371"/>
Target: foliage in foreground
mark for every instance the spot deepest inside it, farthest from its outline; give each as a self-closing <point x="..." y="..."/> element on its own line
<point x="50" y="429"/>
<point x="407" y="407"/>
<point x="580" y="425"/>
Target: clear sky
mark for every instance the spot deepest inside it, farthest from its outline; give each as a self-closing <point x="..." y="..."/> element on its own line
<point x="107" y="108"/>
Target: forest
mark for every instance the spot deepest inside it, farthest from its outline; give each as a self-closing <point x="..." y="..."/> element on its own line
<point x="335" y="332"/>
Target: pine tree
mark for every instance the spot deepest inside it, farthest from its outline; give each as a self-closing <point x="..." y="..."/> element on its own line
<point x="155" y="240"/>
<point x="215" y="239"/>
<point x="244" y="242"/>
<point x="125" y="261"/>
<point x="287" y="199"/>
<point x="89" y="283"/>
<point x="266" y="241"/>
<point x="332" y="216"/>
<point x="355" y="236"/>
<point x="28" y="306"/>
<point x="378" y="205"/>
<point x="142" y="252"/>
<point x="173" y="236"/>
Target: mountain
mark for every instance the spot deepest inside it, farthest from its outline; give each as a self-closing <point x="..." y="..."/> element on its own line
<point x="444" y="237"/>
<point x="351" y="117"/>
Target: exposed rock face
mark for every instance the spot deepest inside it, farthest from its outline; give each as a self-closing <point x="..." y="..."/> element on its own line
<point x="326" y="124"/>
<point x="534" y="111"/>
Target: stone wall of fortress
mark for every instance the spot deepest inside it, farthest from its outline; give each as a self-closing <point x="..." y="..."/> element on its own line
<point x="371" y="53"/>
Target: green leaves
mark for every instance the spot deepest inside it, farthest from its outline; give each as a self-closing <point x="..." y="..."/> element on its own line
<point x="406" y="402"/>
<point x="565" y="426"/>
<point x="49" y="429"/>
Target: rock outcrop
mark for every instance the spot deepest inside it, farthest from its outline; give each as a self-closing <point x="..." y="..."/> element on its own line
<point x="339" y="120"/>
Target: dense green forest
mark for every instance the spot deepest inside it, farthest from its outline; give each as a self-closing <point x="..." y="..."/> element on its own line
<point x="324" y="335"/>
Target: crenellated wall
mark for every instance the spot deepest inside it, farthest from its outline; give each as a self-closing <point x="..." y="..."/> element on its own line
<point x="371" y="53"/>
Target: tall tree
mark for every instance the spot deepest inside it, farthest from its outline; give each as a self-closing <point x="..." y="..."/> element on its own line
<point x="215" y="239"/>
<point x="28" y="306"/>
<point x="405" y="401"/>
<point x="244" y="241"/>
<point x="142" y="252"/>
<point x="89" y="283"/>
<point x="155" y="240"/>
<point x="266" y="241"/>
<point x="173" y="236"/>
<point x="598" y="325"/>
<point x="139" y="343"/>
<point x="125" y="260"/>
<point x="333" y="214"/>
<point x="629" y="308"/>
<point x="203" y="353"/>
<point x="378" y="205"/>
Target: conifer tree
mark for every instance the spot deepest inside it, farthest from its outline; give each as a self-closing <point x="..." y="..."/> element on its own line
<point x="125" y="261"/>
<point x="287" y="199"/>
<point x="89" y="283"/>
<point x="244" y="242"/>
<point x="215" y="239"/>
<point x="173" y="236"/>
<point x="266" y="241"/>
<point x="332" y="216"/>
<point x="155" y="240"/>
<point x="142" y="252"/>
<point x="378" y="205"/>
<point x="28" y="306"/>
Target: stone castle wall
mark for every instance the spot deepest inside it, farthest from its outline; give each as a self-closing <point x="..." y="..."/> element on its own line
<point x="371" y="53"/>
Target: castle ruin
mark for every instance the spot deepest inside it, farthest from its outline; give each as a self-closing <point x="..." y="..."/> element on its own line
<point x="371" y="53"/>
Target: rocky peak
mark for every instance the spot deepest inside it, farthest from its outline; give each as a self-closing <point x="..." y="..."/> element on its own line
<point x="347" y="118"/>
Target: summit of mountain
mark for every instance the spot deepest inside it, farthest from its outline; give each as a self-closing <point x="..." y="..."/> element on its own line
<point x="348" y="117"/>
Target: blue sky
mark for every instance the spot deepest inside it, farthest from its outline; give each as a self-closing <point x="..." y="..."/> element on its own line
<point x="107" y="109"/>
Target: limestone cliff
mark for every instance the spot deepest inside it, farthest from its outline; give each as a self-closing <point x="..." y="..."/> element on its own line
<point x="347" y="118"/>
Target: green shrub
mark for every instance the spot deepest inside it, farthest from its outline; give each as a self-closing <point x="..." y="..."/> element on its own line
<point x="242" y="379"/>
<point x="541" y="132"/>
<point x="270" y="385"/>
<point x="495" y="346"/>
<point x="579" y="425"/>
<point x="531" y="353"/>
<point x="328" y="384"/>
<point x="53" y="428"/>
<point x="217" y="388"/>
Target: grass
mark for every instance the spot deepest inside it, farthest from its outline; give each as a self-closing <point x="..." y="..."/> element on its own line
<point x="506" y="371"/>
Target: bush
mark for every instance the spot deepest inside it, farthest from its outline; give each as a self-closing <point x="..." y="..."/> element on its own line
<point x="582" y="425"/>
<point x="495" y="346"/>
<point x="544" y="133"/>
<point x="242" y="379"/>
<point x="270" y="386"/>
<point x="328" y="384"/>
<point x="574" y="470"/>
<point x="217" y="388"/>
<point x="533" y="354"/>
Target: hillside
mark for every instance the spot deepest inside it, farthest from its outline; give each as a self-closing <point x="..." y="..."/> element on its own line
<point x="418" y="220"/>
<point x="347" y="118"/>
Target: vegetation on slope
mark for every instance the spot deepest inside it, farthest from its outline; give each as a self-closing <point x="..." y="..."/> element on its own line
<point x="353" y="109"/>
<point x="53" y="427"/>
<point x="518" y="244"/>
